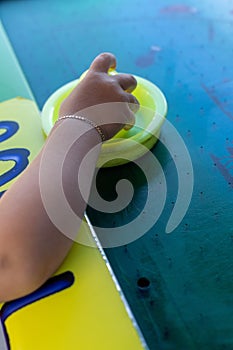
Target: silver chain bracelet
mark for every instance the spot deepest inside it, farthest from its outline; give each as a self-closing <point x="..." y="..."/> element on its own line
<point x="88" y="121"/>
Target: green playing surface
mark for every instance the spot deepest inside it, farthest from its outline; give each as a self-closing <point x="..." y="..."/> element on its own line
<point x="186" y="49"/>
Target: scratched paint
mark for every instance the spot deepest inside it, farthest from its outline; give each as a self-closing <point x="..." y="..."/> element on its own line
<point x="212" y="93"/>
<point x="148" y="59"/>
<point x="211" y="32"/>
<point x="178" y="9"/>
<point x="225" y="164"/>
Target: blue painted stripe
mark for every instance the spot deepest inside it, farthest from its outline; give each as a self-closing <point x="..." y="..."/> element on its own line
<point x="10" y="129"/>
<point x="53" y="285"/>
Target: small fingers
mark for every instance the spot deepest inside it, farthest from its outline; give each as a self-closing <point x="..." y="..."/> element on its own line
<point x="130" y="120"/>
<point x="133" y="102"/>
<point x="126" y="81"/>
<point x="133" y="106"/>
<point x="103" y="62"/>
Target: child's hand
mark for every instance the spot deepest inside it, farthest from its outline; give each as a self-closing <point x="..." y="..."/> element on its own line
<point x="92" y="96"/>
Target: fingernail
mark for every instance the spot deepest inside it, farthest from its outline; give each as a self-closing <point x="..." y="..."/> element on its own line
<point x="128" y="127"/>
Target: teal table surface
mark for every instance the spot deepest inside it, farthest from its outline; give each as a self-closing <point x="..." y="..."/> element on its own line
<point x="186" y="48"/>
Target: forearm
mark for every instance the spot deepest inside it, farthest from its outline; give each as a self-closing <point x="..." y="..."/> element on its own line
<point x="32" y="245"/>
<point x="41" y="213"/>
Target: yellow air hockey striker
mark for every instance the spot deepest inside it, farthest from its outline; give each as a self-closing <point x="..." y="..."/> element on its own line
<point x="126" y="145"/>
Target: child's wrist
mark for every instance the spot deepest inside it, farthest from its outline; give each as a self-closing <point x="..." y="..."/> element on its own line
<point x="84" y="120"/>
